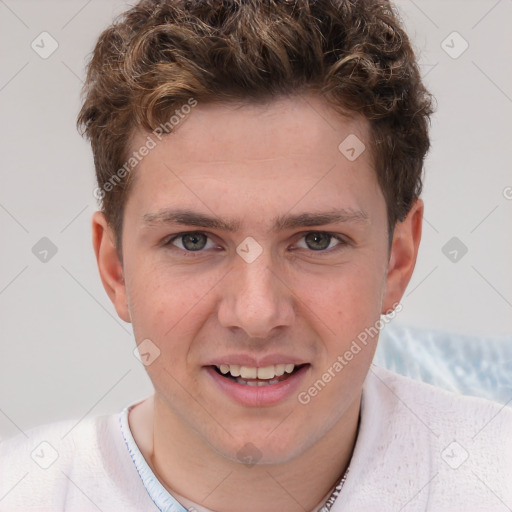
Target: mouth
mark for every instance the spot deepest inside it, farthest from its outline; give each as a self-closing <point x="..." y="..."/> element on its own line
<point x="258" y="376"/>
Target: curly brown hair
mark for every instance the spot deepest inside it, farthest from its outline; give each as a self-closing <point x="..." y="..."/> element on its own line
<point x="160" y="54"/>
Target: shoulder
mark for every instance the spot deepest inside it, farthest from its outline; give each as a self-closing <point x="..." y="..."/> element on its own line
<point x="421" y="446"/>
<point x="50" y="466"/>
<point x="40" y="445"/>
<point x="437" y="407"/>
<point x="439" y="419"/>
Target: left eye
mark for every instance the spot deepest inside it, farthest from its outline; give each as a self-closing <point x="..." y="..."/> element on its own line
<point x="320" y="240"/>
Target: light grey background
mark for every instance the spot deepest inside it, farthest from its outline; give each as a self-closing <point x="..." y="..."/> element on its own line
<point x="64" y="351"/>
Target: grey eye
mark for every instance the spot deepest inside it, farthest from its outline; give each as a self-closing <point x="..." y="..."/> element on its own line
<point x="318" y="241"/>
<point x="193" y="241"/>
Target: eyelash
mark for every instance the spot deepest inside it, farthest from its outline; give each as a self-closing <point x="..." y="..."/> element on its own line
<point x="194" y="254"/>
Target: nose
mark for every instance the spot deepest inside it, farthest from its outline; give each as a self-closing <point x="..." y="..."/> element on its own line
<point x="256" y="298"/>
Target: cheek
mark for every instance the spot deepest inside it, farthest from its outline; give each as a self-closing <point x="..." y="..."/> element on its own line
<point x="348" y="306"/>
<point x="167" y="304"/>
<point x="169" y="310"/>
<point x="345" y="300"/>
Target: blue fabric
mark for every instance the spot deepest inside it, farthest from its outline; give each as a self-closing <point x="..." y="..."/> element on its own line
<point x="469" y="365"/>
<point x="157" y="492"/>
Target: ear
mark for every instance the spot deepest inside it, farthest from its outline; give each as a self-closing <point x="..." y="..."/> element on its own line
<point x="109" y="266"/>
<point x="404" y="250"/>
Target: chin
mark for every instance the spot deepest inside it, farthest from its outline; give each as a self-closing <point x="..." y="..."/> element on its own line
<point x="250" y="450"/>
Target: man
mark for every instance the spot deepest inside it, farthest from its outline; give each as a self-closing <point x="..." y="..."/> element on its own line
<point x="259" y="169"/>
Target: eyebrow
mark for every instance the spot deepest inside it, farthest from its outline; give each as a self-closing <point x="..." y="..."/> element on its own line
<point x="280" y="223"/>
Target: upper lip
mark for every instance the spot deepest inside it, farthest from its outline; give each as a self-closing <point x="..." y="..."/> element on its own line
<point x="256" y="362"/>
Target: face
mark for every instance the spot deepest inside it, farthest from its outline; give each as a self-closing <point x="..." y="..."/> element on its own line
<point x="251" y="243"/>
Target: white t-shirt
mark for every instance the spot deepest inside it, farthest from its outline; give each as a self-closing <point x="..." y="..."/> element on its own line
<point x="419" y="448"/>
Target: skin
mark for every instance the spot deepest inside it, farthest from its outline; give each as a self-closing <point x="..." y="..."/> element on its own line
<point x="252" y="163"/>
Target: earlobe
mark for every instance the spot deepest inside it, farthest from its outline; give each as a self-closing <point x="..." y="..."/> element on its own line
<point x="109" y="266"/>
<point x="404" y="251"/>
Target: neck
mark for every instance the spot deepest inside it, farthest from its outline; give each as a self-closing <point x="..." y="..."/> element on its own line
<point x="207" y="478"/>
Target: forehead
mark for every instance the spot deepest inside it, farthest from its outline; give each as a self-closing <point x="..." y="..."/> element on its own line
<point x="273" y="152"/>
<point x="275" y="129"/>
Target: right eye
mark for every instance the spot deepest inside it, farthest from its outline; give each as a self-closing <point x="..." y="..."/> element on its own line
<point x="193" y="241"/>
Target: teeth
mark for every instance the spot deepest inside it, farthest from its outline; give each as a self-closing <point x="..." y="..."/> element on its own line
<point x="234" y="369"/>
<point x="265" y="373"/>
<point x="279" y="369"/>
<point x="247" y="372"/>
<point x="288" y="368"/>
<point x="257" y="383"/>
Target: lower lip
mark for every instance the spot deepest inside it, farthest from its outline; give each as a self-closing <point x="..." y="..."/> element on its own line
<point x="259" y="396"/>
